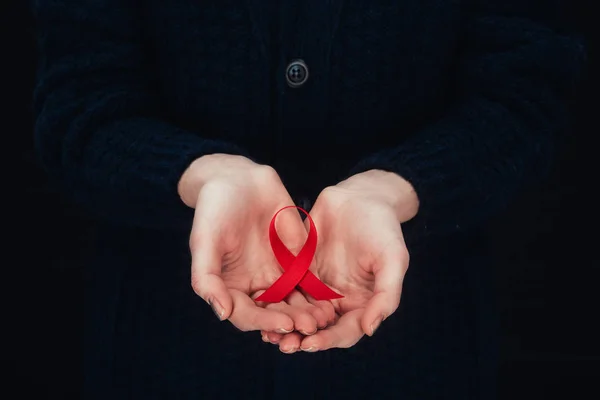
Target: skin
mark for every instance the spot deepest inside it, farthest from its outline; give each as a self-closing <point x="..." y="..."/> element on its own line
<point x="361" y="254"/>
<point x="232" y="261"/>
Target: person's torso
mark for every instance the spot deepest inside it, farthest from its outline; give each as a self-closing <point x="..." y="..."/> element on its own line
<point x="376" y="71"/>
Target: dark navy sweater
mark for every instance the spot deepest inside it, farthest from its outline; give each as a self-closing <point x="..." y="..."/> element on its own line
<point x="463" y="98"/>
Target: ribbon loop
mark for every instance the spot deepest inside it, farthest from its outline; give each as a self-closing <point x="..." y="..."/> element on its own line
<point x="295" y="267"/>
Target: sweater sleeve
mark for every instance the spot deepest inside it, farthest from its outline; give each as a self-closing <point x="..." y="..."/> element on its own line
<point x="514" y="75"/>
<point x="100" y="130"/>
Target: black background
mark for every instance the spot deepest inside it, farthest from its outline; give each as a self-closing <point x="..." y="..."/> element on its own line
<point x="546" y="252"/>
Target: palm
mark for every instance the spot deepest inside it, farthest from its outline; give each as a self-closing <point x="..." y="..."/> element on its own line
<point x="234" y="200"/>
<point x="231" y="255"/>
<point x="361" y="254"/>
<point x="248" y="263"/>
<point x="349" y="253"/>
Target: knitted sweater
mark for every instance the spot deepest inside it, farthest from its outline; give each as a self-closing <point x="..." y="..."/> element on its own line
<point x="464" y="99"/>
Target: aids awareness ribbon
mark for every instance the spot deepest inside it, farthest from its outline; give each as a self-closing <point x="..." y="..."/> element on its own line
<point x="295" y="267"/>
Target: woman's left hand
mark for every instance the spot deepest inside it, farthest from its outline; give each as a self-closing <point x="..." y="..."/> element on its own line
<point x="361" y="254"/>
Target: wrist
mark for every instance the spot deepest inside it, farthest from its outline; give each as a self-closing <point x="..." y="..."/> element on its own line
<point x="204" y="169"/>
<point x="389" y="188"/>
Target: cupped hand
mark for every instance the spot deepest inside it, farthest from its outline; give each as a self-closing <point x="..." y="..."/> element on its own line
<point x="232" y="262"/>
<point x="361" y="254"/>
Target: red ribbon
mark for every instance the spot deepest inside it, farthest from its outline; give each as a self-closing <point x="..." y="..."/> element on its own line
<point x="295" y="267"/>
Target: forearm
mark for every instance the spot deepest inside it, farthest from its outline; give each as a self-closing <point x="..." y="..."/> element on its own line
<point x="388" y="188"/>
<point x="133" y="181"/>
<point x="101" y="129"/>
<point x="514" y="79"/>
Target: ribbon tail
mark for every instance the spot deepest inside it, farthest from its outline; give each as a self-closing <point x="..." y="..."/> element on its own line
<point x="317" y="289"/>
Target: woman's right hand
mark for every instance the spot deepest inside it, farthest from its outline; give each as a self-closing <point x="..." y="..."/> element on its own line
<point x="232" y="260"/>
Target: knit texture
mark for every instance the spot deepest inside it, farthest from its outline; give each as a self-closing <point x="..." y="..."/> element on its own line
<point x="498" y="135"/>
<point x="464" y="103"/>
<point x="464" y="99"/>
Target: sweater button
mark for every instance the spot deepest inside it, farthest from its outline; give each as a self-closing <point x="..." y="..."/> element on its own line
<point x="296" y="73"/>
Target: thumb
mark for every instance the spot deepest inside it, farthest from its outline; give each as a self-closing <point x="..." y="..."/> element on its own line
<point x="206" y="270"/>
<point x="389" y="276"/>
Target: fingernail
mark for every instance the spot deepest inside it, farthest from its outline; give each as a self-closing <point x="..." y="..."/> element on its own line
<point x="308" y="333"/>
<point x="290" y="350"/>
<point x="217" y="308"/>
<point x="311" y="349"/>
<point x="265" y="338"/>
<point x="375" y="324"/>
<point x="281" y="330"/>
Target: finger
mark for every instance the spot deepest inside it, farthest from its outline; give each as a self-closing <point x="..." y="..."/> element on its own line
<point x="300" y="312"/>
<point x="304" y="322"/>
<point x="206" y="269"/>
<point x="263" y="334"/>
<point x="247" y="316"/>
<point x="389" y="276"/>
<point x="345" y="333"/>
<point x="326" y="306"/>
<point x="298" y="300"/>
<point x="290" y="343"/>
<point x="271" y="337"/>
